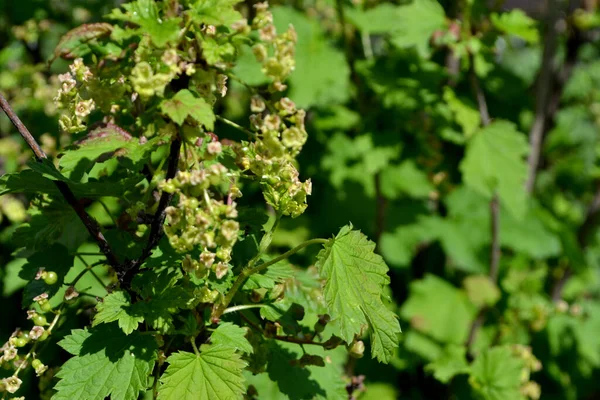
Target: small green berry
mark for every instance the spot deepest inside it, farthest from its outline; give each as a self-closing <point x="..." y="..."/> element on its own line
<point x="45" y="305"/>
<point x="39" y="320"/>
<point x="36" y="364"/>
<point x="50" y="278"/>
<point x="20" y="342"/>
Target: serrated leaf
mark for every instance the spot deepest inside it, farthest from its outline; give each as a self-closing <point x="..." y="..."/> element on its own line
<point x="494" y="161"/>
<point x="39" y="180"/>
<point x="228" y="334"/>
<point x="451" y="363"/>
<point x="145" y="14"/>
<point x="184" y="104"/>
<point x="496" y="374"/>
<point x="215" y="12"/>
<point x="416" y="23"/>
<point x="75" y="44"/>
<point x="106" y="362"/>
<point x="354" y="281"/>
<point x="162" y="295"/>
<point x="216" y="373"/>
<point x="283" y="380"/>
<point x="107" y="142"/>
<point x="54" y="222"/>
<point x="117" y="307"/>
<point x="516" y="22"/>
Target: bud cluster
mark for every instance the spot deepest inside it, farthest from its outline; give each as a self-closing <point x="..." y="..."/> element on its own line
<point x="280" y="137"/>
<point x="279" y="62"/>
<point x="200" y="222"/>
<point x="529" y="389"/>
<point x="70" y="100"/>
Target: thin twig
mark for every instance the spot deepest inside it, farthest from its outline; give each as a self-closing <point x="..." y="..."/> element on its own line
<point x="248" y="132"/>
<point x="494" y="213"/>
<point x="156" y="227"/>
<point x="545" y="83"/>
<point x="90" y="223"/>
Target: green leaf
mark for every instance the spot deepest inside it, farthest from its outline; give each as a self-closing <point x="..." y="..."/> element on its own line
<point x="481" y="290"/>
<point x="106" y="362"/>
<point x="438" y="309"/>
<point x="354" y="281"/>
<point x="75" y="43"/>
<point x="216" y="373"/>
<point x="286" y="380"/>
<point x="54" y="222"/>
<point x="39" y="180"/>
<point x="407" y="179"/>
<point x="494" y="161"/>
<point x="398" y="247"/>
<point x="356" y="159"/>
<point x="144" y="13"/>
<point x="162" y="295"/>
<point x="215" y="12"/>
<point x="416" y="23"/>
<point x="317" y="62"/>
<point x="184" y="104"/>
<point x="117" y="307"/>
<point x="105" y="142"/>
<point x="380" y="19"/>
<point x="496" y="374"/>
<point x="228" y="334"/>
<point x="11" y="281"/>
<point x="465" y="115"/>
<point x="451" y="363"/>
<point x="517" y="23"/>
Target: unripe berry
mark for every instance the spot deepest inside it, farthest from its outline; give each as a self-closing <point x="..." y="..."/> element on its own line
<point x="20" y="342"/>
<point x="39" y="320"/>
<point x="36" y="363"/>
<point x="50" y="278"/>
<point x="357" y="350"/>
<point x="45" y="305"/>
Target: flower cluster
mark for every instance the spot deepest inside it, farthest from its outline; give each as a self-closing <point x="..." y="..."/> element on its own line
<point x="201" y="222"/>
<point x="529" y="389"/>
<point x="280" y="136"/>
<point x="278" y="63"/>
<point x="69" y="98"/>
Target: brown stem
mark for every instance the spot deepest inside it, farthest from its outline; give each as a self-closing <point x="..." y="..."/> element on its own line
<point x="90" y="223"/>
<point x="158" y="220"/>
<point x="545" y="83"/>
<point x="494" y="213"/>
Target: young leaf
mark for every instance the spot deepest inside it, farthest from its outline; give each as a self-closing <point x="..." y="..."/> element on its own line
<point x="216" y="373"/>
<point x="75" y="42"/>
<point x="145" y="14"/>
<point x="494" y="161"/>
<point x="228" y="334"/>
<point x="117" y="307"/>
<point x="355" y="278"/>
<point x="106" y="363"/>
<point x="215" y="12"/>
<point x="516" y="22"/>
<point x="496" y="374"/>
<point x="450" y="364"/>
<point x="184" y="104"/>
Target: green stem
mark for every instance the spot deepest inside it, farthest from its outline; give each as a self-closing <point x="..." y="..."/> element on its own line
<point x="265" y="242"/>
<point x="236" y="126"/>
<point x="250" y="271"/>
<point x="193" y="342"/>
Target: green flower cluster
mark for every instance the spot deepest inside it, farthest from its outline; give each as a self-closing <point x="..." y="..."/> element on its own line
<point x="199" y="221"/>
<point x="69" y="99"/>
<point x="276" y="52"/>
<point x="280" y="137"/>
